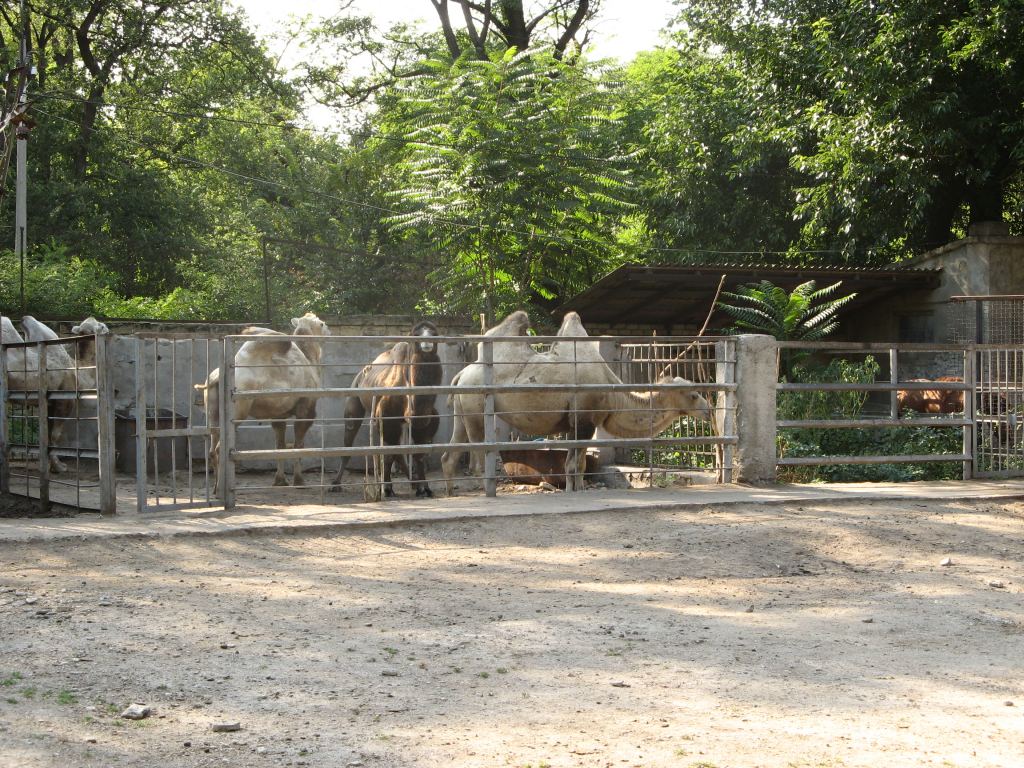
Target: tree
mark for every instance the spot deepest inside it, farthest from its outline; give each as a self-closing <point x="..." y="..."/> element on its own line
<point x="514" y="171"/>
<point x="701" y="186"/>
<point x="902" y="117"/>
<point x="348" y="61"/>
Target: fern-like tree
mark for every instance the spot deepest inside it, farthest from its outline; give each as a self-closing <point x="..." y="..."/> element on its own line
<point x="513" y="171"/>
<point x="803" y="314"/>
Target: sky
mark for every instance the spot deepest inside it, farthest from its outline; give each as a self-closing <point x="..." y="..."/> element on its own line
<point x="624" y="26"/>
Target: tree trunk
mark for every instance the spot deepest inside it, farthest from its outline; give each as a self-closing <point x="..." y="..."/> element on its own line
<point x="986" y="201"/>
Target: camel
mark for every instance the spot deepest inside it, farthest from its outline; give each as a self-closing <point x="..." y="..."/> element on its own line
<point x="403" y="365"/>
<point x="625" y="414"/>
<point x="270" y="363"/>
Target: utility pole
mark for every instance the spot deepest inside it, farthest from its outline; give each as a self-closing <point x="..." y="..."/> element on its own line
<point x="21" y="128"/>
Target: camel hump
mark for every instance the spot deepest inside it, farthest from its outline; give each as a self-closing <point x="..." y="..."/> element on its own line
<point x="265" y="345"/>
<point x="515" y="324"/>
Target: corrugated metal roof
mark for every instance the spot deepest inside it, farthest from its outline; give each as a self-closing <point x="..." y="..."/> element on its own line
<point x="681" y="295"/>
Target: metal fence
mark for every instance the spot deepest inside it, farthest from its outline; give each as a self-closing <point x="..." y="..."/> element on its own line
<point x="56" y="423"/>
<point x="862" y="413"/>
<point x="510" y="392"/>
<point x="163" y="434"/>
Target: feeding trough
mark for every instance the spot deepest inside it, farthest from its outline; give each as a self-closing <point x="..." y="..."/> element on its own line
<point x="532" y="466"/>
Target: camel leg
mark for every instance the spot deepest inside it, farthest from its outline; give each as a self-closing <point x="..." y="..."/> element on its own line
<point x="354" y="413"/>
<point x="279" y="427"/>
<point x="60" y="410"/>
<point x="215" y="458"/>
<point x="391" y="432"/>
<point x="450" y="459"/>
<point x="576" y="458"/>
<point x="423" y="430"/>
<point x="304" y="416"/>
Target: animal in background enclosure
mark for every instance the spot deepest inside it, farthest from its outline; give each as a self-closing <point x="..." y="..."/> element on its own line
<point x="406" y="364"/>
<point x="931" y="400"/>
<point x="629" y="414"/>
<point x="271" y="362"/>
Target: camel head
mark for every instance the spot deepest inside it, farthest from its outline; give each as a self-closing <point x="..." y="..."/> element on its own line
<point x="425" y="329"/>
<point x="310" y="325"/>
<point x="688" y="402"/>
<point x="89" y="327"/>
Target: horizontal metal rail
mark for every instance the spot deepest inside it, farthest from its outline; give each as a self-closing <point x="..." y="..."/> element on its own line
<point x="25" y="395"/>
<point x="846" y="386"/>
<point x="869" y="346"/>
<point x="481" y="389"/>
<point x="271" y="454"/>
<point x="797" y="461"/>
<point x="639" y="340"/>
<point x="870" y="423"/>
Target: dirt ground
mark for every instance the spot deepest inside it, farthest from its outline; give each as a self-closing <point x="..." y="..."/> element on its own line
<point x="796" y="635"/>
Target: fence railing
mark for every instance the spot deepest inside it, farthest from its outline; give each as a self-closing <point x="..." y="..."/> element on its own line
<point x="520" y="392"/>
<point x="891" y="417"/>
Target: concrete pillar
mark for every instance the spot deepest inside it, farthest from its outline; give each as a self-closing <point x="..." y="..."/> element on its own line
<point x="756" y="377"/>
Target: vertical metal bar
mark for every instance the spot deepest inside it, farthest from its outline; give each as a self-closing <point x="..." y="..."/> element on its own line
<point x="491" y="456"/>
<point x="894" y="379"/>
<point x="174" y="422"/>
<point x="5" y="447"/>
<point x="141" y="459"/>
<point x="156" y="422"/>
<point x="44" y="431"/>
<point x="651" y="370"/>
<point x="189" y="399"/>
<point x="725" y="372"/>
<point x="969" y="441"/>
<point x="227" y="426"/>
<point x="208" y="440"/>
<point x="78" y="425"/>
<point x="105" y="425"/>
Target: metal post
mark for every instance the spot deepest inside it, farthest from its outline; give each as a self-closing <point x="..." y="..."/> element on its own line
<point x="5" y="448"/>
<point x="141" y="459"/>
<point x="227" y="426"/>
<point x="725" y="373"/>
<point x="491" y="456"/>
<point x="44" y="432"/>
<point x="894" y="379"/>
<point x="105" y="425"/>
<point x="970" y="433"/>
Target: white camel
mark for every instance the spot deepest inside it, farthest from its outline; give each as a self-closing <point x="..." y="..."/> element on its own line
<point x="269" y="363"/>
<point x="627" y="414"/>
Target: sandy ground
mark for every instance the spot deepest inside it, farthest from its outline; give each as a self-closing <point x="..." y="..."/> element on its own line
<point x="798" y="636"/>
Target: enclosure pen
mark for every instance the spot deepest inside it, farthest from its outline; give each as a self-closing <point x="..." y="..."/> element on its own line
<point x="493" y="446"/>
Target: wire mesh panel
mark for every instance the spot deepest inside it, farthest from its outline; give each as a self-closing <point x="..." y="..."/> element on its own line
<point x="55" y="428"/>
<point x="999" y="403"/>
<point x="989" y="320"/>
<point x="696" y="361"/>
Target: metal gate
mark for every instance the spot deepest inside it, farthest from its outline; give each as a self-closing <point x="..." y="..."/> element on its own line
<point x="999" y="412"/>
<point x="165" y="438"/>
<point x="56" y="426"/>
